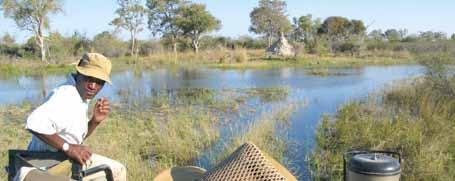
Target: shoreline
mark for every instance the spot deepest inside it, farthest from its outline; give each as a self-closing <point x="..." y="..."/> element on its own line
<point x="34" y="67"/>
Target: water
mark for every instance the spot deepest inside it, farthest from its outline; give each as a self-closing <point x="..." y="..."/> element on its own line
<point x="323" y="94"/>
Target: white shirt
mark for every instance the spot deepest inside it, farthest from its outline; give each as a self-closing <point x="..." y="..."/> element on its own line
<point x="63" y="112"/>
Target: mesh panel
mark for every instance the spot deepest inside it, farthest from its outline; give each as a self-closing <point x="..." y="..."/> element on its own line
<point x="246" y="163"/>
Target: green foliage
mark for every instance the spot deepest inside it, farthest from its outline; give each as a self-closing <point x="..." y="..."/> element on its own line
<point x="250" y="43"/>
<point x="9" y="47"/>
<point x="341" y="28"/>
<point x="304" y="29"/>
<point x="32" y="15"/>
<point x="59" y="47"/>
<point x="215" y="42"/>
<point x="376" y="35"/>
<point x="7" y="40"/>
<point x="432" y="36"/>
<point x="392" y="35"/>
<point x="161" y="19"/>
<point x="31" y="48"/>
<point x="80" y="44"/>
<point x="343" y="35"/>
<point x="194" y="20"/>
<point x="109" y="45"/>
<point x="270" y="19"/>
<point x="147" y="48"/>
<point x="130" y="18"/>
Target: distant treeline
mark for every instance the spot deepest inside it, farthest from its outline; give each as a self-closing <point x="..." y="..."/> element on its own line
<point x="181" y="25"/>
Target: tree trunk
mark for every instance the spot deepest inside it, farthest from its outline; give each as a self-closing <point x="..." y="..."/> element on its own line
<point x="42" y="48"/>
<point x="174" y="47"/>
<point x="174" y="43"/>
<point x="133" y="44"/>
<point x="269" y="40"/>
<point x="41" y="40"/>
<point x="196" y="46"/>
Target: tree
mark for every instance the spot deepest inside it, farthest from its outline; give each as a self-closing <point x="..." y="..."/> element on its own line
<point x="7" y="40"/>
<point x="341" y="28"/>
<point x="357" y="27"/>
<point x="335" y="26"/>
<point x="131" y="18"/>
<point x="440" y="35"/>
<point x="343" y="34"/>
<point x="162" y="16"/>
<point x="59" y="47"/>
<point x="194" y="20"/>
<point x="270" y="19"/>
<point x="403" y="33"/>
<point x="392" y="35"/>
<point x="452" y="37"/>
<point x="108" y="44"/>
<point x="432" y="36"/>
<point x="303" y="27"/>
<point x="33" y="16"/>
<point x="81" y="43"/>
<point x="376" y="35"/>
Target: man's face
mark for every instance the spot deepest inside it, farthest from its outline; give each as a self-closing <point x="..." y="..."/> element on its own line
<point x="88" y="86"/>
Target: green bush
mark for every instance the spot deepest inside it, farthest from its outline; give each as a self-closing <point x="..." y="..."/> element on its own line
<point x="109" y="45"/>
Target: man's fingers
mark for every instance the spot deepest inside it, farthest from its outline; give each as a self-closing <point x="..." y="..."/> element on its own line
<point x="104" y="100"/>
<point x="85" y="157"/>
<point x="80" y="160"/>
<point x="105" y="109"/>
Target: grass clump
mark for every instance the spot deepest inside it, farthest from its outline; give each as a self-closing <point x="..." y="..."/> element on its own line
<point x="274" y="94"/>
<point x="267" y="132"/>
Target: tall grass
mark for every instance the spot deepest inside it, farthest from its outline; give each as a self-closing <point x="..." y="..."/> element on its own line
<point x="147" y="145"/>
<point x="416" y="119"/>
<point x="268" y="132"/>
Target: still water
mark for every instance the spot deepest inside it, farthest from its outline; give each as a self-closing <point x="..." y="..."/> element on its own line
<point x="322" y="94"/>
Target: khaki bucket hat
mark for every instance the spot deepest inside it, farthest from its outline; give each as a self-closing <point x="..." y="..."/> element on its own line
<point x="248" y="163"/>
<point x="95" y="65"/>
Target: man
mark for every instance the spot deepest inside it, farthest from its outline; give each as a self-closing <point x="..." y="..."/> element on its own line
<point x="61" y="122"/>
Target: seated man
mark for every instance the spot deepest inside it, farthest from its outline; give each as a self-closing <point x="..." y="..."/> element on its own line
<point x="61" y="122"/>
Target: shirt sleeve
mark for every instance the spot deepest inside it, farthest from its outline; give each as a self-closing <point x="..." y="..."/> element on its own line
<point x="40" y="121"/>
<point x="44" y="119"/>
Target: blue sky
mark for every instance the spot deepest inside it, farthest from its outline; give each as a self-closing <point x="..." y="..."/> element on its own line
<point x="93" y="16"/>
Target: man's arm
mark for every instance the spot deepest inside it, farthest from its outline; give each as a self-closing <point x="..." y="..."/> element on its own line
<point x="100" y="113"/>
<point x="91" y="127"/>
<point x="79" y="153"/>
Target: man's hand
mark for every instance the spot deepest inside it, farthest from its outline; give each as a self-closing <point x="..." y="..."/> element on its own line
<point x="79" y="153"/>
<point x="101" y="110"/>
